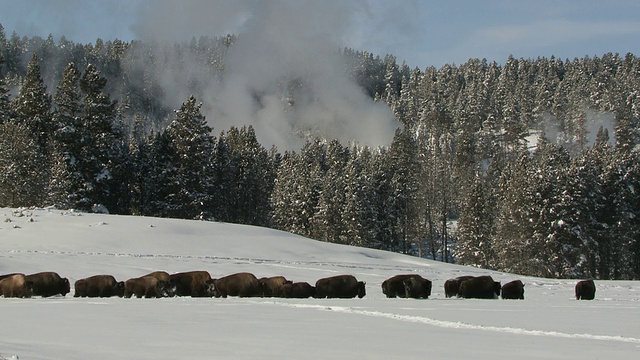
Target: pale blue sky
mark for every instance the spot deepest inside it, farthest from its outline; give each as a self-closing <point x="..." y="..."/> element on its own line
<point x="420" y="32"/>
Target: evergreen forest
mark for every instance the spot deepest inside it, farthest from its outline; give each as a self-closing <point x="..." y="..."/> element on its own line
<point x="529" y="167"/>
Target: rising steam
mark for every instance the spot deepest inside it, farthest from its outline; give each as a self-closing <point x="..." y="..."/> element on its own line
<point x="283" y="75"/>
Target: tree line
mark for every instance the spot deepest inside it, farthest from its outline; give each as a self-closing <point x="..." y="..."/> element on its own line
<point x="529" y="167"/>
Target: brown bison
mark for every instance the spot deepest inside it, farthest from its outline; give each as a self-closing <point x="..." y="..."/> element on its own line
<point x="513" y="290"/>
<point x="340" y="286"/>
<point x="241" y="284"/>
<point x="452" y="286"/>
<point x="417" y="287"/>
<point x="16" y="285"/>
<point x="298" y="290"/>
<point x="395" y="286"/>
<point x="149" y="287"/>
<point x="272" y="286"/>
<point x="99" y="286"/>
<point x="585" y="290"/>
<point x="193" y="283"/>
<point x="49" y="283"/>
<point x="480" y="287"/>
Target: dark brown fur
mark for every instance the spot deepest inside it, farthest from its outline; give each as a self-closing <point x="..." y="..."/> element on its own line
<point x="585" y="290"/>
<point x="417" y="287"/>
<point x="394" y="286"/>
<point x="99" y="286"/>
<point x="16" y="285"/>
<point x="49" y="283"/>
<point x="341" y="286"/>
<point x="480" y="287"/>
<point x="272" y="286"/>
<point x="241" y="284"/>
<point x="452" y="286"/>
<point x="298" y="290"/>
<point x="146" y="286"/>
<point x="193" y="283"/>
<point x="513" y="290"/>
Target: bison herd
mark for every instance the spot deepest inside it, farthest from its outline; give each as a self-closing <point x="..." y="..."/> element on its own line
<point x="200" y="284"/>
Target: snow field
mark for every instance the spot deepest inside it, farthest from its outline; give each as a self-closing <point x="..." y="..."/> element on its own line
<point x="548" y="324"/>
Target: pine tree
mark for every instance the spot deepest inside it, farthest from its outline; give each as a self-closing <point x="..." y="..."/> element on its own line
<point x="140" y="150"/>
<point x="5" y="102"/>
<point x="554" y="245"/>
<point x="327" y="222"/>
<point x="404" y="167"/>
<point x="281" y="197"/>
<point x="475" y="227"/>
<point x="67" y="178"/>
<point x="22" y="181"/>
<point x="514" y="213"/>
<point x="190" y="158"/>
<point x="298" y="187"/>
<point x="33" y="105"/>
<point x="359" y="215"/>
<point x="245" y="175"/>
<point x="105" y="164"/>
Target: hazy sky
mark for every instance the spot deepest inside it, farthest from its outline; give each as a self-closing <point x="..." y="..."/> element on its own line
<point x="420" y="32"/>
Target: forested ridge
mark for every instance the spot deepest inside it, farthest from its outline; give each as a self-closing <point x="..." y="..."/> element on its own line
<point x="530" y="166"/>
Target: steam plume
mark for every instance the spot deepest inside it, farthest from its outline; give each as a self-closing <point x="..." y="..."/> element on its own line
<point x="284" y="74"/>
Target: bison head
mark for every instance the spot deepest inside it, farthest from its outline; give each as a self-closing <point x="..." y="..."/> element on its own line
<point x="210" y="288"/>
<point x="361" y="289"/>
<point x="166" y="288"/>
<point x="27" y="291"/>
<point x="66" y="287"/>
<point x="119" y="289"/>
<point x="497" y="287"/>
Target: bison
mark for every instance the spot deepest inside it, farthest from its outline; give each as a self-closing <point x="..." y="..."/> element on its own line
<point x="99" y="286"/>
<point x="417" y="287"/>
<point x="585" y="290"/>
<point x="340" y="286"/>
<point x="272" y="286"/>
<point x="49" y="283"/>
<point x="241" y="284"/>
<point x="452" y="286"/>
<point x="298" y="290"/>
<point x="16" y="285"/>
<point x="149" y="287"/>
<point x="395" y="286"/>
<point x="193" y="283"/>
<point x="480" y="287"/>
<point x="513" y="290"/>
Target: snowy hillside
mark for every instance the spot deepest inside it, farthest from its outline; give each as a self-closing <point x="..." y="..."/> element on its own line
<point x="548" y="324"/>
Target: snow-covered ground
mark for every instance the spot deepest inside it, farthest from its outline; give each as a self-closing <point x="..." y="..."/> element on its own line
<point x="548" y="324"/>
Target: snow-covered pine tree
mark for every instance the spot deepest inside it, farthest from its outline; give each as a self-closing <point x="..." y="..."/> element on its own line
<point x="554" y="247"/>
<point x="190" y="156"/>
<point x="245" y="176"/>
<point x="310" y="168"/>
<point x="5" y="101"/>
<point x="514" y="215"/>
<point x="281" y="197"/>
<point x="104" y="163"/>
<point x="33" y="105"/>
<point x="327" y="223"/>
<point x="475" y="227"/>
<point x="22" y="179"/>
<point x="67" y="179"/>
<point x="360" y="215"/>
